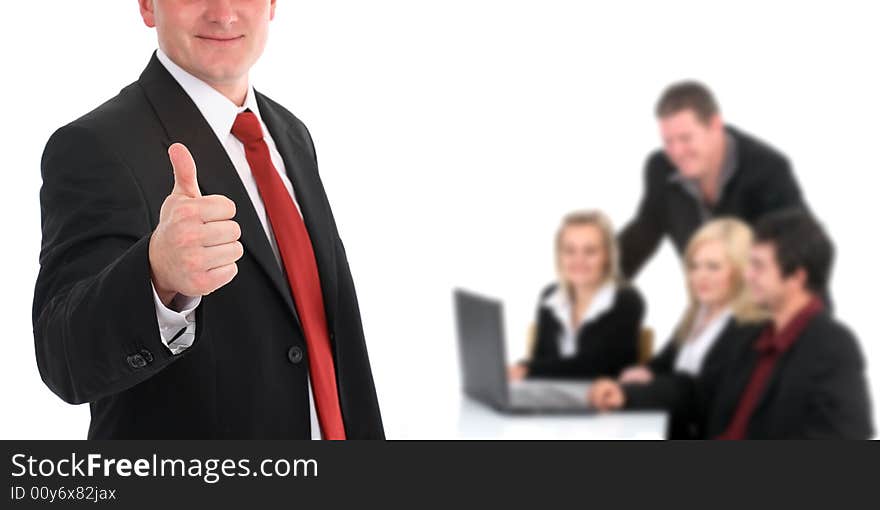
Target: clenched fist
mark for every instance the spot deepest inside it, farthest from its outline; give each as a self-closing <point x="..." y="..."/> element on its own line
<point x="194" y="248"/>
<point x="606" y="395"/>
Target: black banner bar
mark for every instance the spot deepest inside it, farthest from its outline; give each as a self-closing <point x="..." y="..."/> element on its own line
<point x="321" y="474"/>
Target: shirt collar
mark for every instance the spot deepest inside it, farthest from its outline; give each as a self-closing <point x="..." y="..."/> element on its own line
<point x="715" y="325"/>
<point x="216" y="108"/>
<point x="772" y="340"/>
<point x="559" y="303"/>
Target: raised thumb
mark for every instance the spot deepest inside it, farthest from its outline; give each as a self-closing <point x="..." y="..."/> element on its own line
<point x="185" y="182"/>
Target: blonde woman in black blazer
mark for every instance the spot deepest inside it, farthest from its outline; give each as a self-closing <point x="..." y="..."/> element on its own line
<point x="720" y="316"/>
<point x="588" y="322"/>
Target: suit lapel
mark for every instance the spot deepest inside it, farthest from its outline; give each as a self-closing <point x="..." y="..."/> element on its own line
<point x="765" y="395"/>
<point x="302" y="171"/>
<point x="778" y="370"/>
<point x="733" y="386"/>
<point x="184" y="123"/>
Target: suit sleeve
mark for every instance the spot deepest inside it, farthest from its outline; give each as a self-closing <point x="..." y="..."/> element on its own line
<point x="640" y="238"/>
<point x="94" y="319"/>
<point x="779" y="189"/>
<point x="839" y="403"/>
<point x="664" y="361"/>
<point x="679" y="395"/>
<point x="670" y="392"/>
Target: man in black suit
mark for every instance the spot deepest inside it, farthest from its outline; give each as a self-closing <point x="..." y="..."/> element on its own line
<point x="705" y="170"/>
<point x="193" y="283"/>
<point x="804" y="375"/>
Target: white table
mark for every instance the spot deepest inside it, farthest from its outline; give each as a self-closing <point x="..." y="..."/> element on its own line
<point x="477" y="421"/>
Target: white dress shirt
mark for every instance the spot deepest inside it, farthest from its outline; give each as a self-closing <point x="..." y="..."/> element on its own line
<point x="560" y="304"/>
<point x="220" y="113"/>
<point x="692" y="352"/>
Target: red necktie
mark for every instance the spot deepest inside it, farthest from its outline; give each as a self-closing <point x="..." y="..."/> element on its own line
<point x="302" y="271"/>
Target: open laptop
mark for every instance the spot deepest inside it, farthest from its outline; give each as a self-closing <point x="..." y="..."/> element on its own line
<point x="480" y="322"/>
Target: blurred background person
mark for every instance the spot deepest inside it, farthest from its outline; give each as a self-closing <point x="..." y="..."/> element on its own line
<point x="803" y="376"/>
<point x="588" y="323"/>
<point x="706" y="169"/>
<point x="720" y="315"/>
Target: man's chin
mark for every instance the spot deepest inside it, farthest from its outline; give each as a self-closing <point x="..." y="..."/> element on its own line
<point x="220" y="67"/>
<point x="221" y="74"/>
<point x="688" y="171"/>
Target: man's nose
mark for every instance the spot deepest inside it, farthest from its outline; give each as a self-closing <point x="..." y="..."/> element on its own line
<point x="221" y="12"/>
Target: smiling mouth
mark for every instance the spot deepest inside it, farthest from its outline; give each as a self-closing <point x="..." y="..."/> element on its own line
<point x="219" y="39"/>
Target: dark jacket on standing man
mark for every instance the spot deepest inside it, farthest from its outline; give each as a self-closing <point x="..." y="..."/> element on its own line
<point x="756" y="179"/>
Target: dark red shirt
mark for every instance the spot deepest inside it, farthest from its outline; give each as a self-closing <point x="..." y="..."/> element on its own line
<point x="770" y="346"/>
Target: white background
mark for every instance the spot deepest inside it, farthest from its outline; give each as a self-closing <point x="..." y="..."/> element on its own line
<point x="452" y="136"/>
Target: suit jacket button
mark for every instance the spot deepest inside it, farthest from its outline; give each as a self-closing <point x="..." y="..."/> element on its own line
<point x="136" y="361"/>
<point x="148" y="356"/>
<point x="295" y="354"/>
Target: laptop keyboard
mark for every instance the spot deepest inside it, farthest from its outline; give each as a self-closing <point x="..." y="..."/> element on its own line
<point x="543" y="395"/>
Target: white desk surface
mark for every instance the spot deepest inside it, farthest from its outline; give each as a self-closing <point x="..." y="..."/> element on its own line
<point x="478" y="421"/>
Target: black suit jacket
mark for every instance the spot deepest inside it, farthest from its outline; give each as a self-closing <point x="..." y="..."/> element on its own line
<point x="817" y="390"/>
<point x="605" y="345"/>
<point x="105" y="176"/>
<point x="686" y="397"/>
<point x="763" y="182"/>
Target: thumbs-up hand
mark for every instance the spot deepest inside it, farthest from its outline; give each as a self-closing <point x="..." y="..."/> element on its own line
<point x="194" y="248"/>
<point x="185" y="181"/>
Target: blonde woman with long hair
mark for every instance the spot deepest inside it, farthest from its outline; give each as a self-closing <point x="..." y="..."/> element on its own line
<point x="588" y="322"/>
<point x="719" y="316"/>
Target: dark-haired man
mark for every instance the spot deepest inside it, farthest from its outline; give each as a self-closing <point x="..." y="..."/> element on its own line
<point x="804" y="375"/>
<point x="706" y="169"/>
